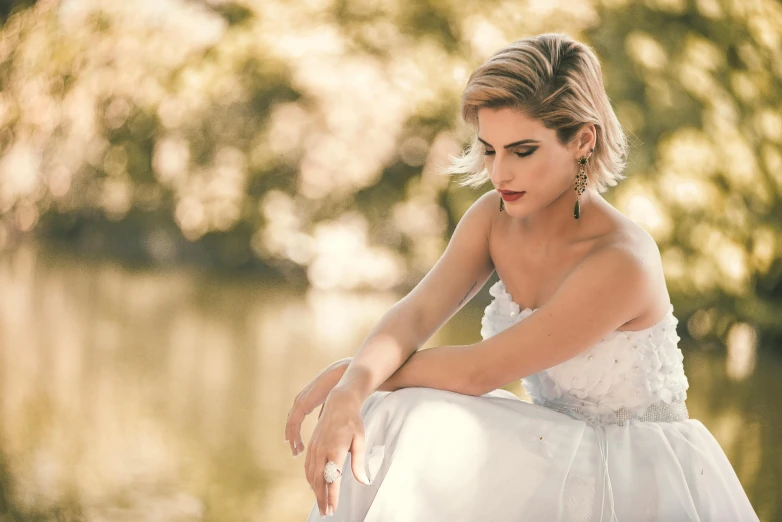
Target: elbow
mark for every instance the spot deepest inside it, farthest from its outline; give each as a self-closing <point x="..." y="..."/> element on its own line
<point x="478" y="390"/>
<point x="489" y="372"/>
<point x="470" y="385"/>
<point x="479" y="382"/>
<point x="481" y="386"/>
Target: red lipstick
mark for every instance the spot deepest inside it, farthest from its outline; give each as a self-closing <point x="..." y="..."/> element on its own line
<point x="508" y="195"/>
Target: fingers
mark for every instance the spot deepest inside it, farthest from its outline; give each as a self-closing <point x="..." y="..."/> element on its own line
<point x="291" y="439"/>
<point x="289" y="425"/>
<point x="293" y="429"/>
<point x="317" y="465"/>
<point x="332" y="490"/>
<point x="297" y="446"/>
<point x="308" y="468"/>
<point x="357" y="452"/>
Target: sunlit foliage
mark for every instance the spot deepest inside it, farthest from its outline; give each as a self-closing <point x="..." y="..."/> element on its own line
<point x="304" y="137"/>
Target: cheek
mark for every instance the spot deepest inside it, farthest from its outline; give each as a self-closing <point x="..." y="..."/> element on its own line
<point x="539" y="169"/>
<point x="552" y="169"/>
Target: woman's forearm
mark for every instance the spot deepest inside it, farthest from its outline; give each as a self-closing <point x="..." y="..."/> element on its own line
<point x="448" y="368"/>
<point x="395" y="338"/>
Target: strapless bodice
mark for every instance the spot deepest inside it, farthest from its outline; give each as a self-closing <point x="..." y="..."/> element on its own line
<point x="629" y="371"/>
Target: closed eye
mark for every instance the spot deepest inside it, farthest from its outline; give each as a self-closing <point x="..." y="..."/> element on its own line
<point x="519" y="154"/>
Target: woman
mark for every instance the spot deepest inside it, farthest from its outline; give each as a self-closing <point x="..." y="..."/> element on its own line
<point x="581" y="314"/>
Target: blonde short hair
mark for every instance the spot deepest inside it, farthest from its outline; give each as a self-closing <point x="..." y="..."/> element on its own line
<point x="556" y="80"/>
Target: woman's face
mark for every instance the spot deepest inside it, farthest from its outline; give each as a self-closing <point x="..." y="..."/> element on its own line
<point x="537" y="164"/>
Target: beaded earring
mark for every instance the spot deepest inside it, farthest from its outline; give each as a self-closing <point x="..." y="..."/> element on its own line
<point x="501" y="204"/>
<point x="581" y="182"/>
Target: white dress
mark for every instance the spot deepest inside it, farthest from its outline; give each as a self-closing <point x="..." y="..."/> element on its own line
<point x="607" y="437"/>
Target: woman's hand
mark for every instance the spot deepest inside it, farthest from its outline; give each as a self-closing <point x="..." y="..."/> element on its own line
<point x="312" y="396"/>
<point x="340" y="429"/>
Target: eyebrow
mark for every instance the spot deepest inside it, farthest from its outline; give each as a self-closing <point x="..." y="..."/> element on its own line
<point x="509" y="145"/>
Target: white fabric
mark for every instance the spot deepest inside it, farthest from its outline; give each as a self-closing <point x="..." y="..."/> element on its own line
<point x="436" y="455"/>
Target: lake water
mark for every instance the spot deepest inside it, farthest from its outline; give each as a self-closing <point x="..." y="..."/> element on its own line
<point x="155" y="394"/>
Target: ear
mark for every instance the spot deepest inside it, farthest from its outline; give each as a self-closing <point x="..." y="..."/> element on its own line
<point x="585" y="141"/>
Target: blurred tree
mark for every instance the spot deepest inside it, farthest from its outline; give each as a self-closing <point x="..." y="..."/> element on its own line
<point x="8" y="6"/>
<point x="304" y="139"/>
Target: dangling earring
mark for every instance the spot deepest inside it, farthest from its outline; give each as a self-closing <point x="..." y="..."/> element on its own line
<point x="581" y="182"/>
<point x="501" y="204"/>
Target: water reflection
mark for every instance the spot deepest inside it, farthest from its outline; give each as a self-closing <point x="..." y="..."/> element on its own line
<point x="161" y="395"/>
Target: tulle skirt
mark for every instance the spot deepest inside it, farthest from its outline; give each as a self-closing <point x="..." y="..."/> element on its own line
<point x="435" y="455"/>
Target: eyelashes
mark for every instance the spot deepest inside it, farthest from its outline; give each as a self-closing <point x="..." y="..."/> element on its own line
<point x="519" y="154"/>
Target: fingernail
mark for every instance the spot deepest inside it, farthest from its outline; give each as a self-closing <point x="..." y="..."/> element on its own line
<point x="330" y="512"/>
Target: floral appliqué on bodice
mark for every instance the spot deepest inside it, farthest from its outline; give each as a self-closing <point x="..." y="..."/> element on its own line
<point x="626" y="369"/>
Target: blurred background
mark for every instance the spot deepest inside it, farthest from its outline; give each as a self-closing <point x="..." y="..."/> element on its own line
<point x="204" y="203"/>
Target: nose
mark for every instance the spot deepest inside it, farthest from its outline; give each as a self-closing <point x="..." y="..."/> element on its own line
<point x="500" y="175"/>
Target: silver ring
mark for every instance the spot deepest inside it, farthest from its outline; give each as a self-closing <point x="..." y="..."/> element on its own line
<point x="331" y="472"/>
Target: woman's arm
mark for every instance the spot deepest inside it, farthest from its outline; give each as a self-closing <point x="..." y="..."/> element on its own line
<point x="606" y="290"/>
<point x="390" y="358"/>
<point x="603" y="293"/>
<point x="443" y="367"/>
<point x="458" y="275"/>
<point x="385" y="349"/>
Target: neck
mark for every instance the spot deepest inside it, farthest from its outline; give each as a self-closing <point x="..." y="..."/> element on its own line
<point x="556" y="221"/>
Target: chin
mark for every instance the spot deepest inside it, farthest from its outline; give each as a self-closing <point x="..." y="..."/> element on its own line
<point x="517" y="212"/>
<point x="518" y="207"/>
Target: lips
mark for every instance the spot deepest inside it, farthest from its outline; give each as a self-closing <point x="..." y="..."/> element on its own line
<point x="511" y="196"/>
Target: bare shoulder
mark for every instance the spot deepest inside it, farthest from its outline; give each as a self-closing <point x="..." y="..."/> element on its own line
<point x="488" y="204"/>
<point x="459" y="274"/>
<point x="629" y="248"/>
<point x="478" y="218"/>
<point x="483" y="212"/>
<point x="634" y="239"/>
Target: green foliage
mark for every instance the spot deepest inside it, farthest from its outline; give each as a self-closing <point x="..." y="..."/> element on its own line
<point x="302" y="138"/>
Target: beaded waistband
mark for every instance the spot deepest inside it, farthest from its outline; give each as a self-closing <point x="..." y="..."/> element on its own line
<point x="658" y="412"/>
